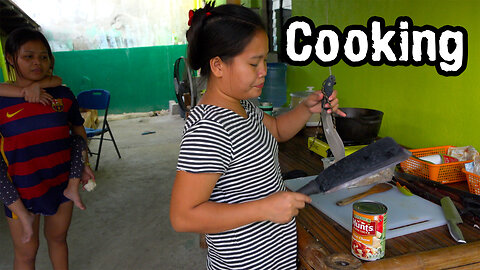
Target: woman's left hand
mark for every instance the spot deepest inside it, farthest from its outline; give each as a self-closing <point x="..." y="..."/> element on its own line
<point x="314" y="103"/>
<point x="87" y="175"/>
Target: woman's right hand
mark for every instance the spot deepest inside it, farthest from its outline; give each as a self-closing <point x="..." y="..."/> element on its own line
<point x="282" y="206"/>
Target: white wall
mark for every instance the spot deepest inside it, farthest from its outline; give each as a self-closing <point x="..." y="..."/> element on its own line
<point x="99" y="24"/>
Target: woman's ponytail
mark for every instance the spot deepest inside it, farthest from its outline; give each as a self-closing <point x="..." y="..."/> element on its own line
<point x="196" y="22"/>
<point x="222" y="31"/>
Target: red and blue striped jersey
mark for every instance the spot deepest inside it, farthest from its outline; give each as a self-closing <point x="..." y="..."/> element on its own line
<point x="35" y="145"/>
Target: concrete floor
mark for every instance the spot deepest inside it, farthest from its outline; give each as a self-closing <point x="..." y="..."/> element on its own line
<point x="126" y="224"/>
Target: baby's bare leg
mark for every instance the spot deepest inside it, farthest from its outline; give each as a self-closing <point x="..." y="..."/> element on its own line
<point x="25" y="217"/>
<point x="9" y="196"/>
<point x="25" y="252"/>
<point x="73" y="194"/>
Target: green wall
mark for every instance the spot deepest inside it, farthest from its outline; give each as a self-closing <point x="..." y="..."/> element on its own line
<point x="422" y="108"/>
<point x="139" y="79"/>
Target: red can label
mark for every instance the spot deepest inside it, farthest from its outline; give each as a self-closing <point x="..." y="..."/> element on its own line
<point x="368" y="230"/>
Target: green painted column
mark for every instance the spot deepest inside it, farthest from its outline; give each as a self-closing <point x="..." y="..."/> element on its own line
<point x="3" y="65"/>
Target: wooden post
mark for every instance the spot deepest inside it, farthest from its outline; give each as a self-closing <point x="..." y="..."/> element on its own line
<point x="312" y="253"/>
<point x="314" y="257"/>
<point x="236" y="2"/>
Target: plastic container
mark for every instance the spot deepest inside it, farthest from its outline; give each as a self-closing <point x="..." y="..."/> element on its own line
<point x="473" y="182"/>
<point x="275" y="87"/>
<point x="297" y="97"/>
<point x="327" y="162"/>
<point x="443" y="173"/>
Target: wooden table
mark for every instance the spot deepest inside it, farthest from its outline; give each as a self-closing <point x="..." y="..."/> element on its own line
<point x="324" y="244"/>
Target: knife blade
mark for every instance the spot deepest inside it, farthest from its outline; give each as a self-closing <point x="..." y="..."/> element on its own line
<point x="331" y="134"/>
<point x="453" y="218"/>
<point x="367" y="161"/>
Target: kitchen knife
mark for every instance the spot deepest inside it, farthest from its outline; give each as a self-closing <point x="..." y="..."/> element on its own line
<point x="367" y="161"/>
<point x="453" y="218"/>
<point x="331" y="134"/>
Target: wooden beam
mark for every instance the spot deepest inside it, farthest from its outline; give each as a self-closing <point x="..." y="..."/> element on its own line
<point x="463" y="255"/>
<point x="12" y="17"/>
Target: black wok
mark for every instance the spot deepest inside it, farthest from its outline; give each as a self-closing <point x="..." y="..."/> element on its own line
<point x="360" y="126"/>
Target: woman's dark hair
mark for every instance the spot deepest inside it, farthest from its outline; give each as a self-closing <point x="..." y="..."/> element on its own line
<point x="222" y="31"/>
<point x="16" y="39"/>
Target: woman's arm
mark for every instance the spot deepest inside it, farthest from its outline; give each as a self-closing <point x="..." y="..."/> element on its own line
<point x="191" y="210"/>
<point x="50" y="81"/>
<point x="87" y="173"/>
<point x="285" y="126"/>
<point x="79" y="130"/>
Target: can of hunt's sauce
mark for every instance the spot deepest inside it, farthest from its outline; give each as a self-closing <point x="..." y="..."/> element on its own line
<point x="368" y="230"/>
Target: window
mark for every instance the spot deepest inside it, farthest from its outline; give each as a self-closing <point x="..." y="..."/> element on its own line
<point x="278" y="12"/>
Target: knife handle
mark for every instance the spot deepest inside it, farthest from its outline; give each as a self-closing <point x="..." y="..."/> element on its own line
<point x="328" y="85"/>
<point x="455" y="232"/>
<point x="310" y="188"/>
<point x="328" y="88"/>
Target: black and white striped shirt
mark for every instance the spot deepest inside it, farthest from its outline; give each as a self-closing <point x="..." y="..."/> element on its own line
<point x="244" y="152"/>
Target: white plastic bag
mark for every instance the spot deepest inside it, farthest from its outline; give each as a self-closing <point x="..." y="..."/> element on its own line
<point x="463" y="153"/>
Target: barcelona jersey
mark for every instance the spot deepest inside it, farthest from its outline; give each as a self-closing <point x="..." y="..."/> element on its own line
<point x="35" y="144"/>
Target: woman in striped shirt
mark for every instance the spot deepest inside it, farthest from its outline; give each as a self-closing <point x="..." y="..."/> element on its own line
<point x="228" y="183"/>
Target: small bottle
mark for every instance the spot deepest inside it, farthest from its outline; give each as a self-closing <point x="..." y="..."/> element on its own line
<point x="267" y="107"/>
<point x="439" y="159"/>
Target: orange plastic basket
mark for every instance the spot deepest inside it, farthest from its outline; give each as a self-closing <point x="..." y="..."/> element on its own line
<point x="473" y="182"/>
<point x="443" y="173"/>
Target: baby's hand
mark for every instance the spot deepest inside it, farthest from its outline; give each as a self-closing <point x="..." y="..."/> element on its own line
<point x="281" y="207"/>
<point x="34" y="94"/>
<point x="45" y="98"/>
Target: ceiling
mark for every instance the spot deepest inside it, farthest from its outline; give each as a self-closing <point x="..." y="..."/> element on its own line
<point x="12" y="17"/>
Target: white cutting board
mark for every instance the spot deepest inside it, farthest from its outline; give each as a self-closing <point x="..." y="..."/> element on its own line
<point x="405" y="215"/>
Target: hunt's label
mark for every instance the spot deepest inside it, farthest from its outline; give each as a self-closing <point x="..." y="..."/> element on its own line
<point x="368" y="230"/>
